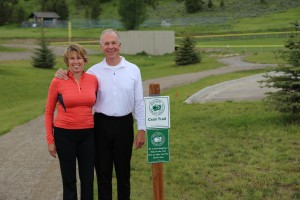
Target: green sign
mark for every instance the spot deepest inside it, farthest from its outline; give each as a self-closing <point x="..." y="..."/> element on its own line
<point x="158" y="145"/>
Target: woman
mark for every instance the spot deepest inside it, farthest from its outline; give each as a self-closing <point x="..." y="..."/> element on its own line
<point x="70" y="134"/>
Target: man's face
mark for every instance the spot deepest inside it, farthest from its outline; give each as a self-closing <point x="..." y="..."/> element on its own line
<point x="110" y="46"/>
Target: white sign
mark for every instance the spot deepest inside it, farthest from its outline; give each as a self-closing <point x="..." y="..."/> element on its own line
<point x="157" y="112"/>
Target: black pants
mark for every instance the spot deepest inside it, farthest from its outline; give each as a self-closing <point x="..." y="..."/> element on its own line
<point x="114" y="139"/>
<point x="72" y="144"/>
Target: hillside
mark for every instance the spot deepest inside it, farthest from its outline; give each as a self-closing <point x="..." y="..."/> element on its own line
<point x="174" y="9"/>
<point x="236" y="16"/>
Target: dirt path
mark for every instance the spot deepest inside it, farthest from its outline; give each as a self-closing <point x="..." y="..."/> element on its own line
<point x="28" y="172"/>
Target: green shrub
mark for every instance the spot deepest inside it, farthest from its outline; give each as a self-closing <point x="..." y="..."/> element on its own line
<point x="186" y="53"/>
<point x="286" y="99"/>
<point x="43" y="56"/>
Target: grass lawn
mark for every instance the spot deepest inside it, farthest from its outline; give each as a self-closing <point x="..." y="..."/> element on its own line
<point x="24" y="87"/>
<point x="230" y="150"/>
<point x="10" y="49"/>
<point x="219" y="151"/>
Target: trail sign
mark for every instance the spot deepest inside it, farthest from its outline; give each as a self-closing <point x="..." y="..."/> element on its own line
<point x="157" y="112"/>
<point x="158" y="145"/>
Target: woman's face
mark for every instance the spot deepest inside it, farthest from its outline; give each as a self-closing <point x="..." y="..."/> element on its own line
<point x="75" y="63"/>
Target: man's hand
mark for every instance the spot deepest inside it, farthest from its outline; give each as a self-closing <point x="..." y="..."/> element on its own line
<point x="52" y="150"/>
<point x="61" y="74"/>
<point x="140" y="139"/>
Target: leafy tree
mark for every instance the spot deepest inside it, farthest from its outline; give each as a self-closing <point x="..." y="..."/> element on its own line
<point x="186" y="53"/>
<point x="286" y="79"/>
<point x="133" y="13"/>
<point x="43" y="56"/>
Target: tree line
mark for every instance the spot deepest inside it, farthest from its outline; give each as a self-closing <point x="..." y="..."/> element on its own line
<point x="12" y="11"/>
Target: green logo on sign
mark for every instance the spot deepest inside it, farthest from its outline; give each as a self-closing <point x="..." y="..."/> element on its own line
<point x="156" y="107"/>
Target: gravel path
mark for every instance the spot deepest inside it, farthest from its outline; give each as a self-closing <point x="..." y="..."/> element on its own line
<point x="28" y="172"/>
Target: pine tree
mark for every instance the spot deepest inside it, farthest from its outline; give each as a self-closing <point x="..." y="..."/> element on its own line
<point x="222" y="4"/>
<point x="286" y="79"/>
<point x="186" y="53"/>
<point x="210" y="4"/>
<point x="62" y="9"/>
<point x="18" y="14"/>
<point x="95" y="10"/>
<point x="43" y="56"/>
<point x="6" y="11"/>
<point x="193" y="6"/>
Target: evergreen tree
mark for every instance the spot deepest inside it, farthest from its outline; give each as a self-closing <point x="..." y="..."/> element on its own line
<point x="61" y="8"/>
<point x="193" y="6"/>
<point x="43" y="4"/>
<point x="87" y="12"/>
<point x="58" y="6"/>
<point x="152" y="3"/>
<point x="43" y="56"/>
<point x="18" y="14"/>
<point x="286" y="79"/>
<point x="186" y="53"/>
<point x="222" y="4"/>
<point x="132" y="13"/>
<point x="95" y="10"/>
<point x="210" y="4"/>
<point x="6" y="11"/>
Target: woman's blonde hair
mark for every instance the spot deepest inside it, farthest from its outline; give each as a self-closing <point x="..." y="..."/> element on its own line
<point x="75" y="48"/>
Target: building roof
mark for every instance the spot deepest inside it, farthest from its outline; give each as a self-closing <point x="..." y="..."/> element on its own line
<point x="44" y="15"/>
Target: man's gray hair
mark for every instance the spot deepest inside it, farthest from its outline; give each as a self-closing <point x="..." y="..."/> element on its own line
<point x="110" y="31"/>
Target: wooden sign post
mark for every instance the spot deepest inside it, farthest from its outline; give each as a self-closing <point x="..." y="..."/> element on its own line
<point x="157" y="168"/>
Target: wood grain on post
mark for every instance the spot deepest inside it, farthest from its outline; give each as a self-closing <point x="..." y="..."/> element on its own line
<point x="157" y="168"/>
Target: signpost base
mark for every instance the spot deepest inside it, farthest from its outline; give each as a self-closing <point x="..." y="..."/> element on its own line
<point x="157" y="181"/>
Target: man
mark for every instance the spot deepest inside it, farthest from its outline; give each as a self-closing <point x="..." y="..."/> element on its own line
<point x="120" y="94"/>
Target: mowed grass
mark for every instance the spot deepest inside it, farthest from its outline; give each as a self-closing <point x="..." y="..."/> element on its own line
<point x="23" y="91"/>
<point x="24" y="88"/>
<point x="272" y="21"/>
<point x="10" y="49"/>
<point x="229" y="150"/>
